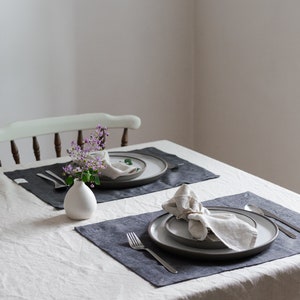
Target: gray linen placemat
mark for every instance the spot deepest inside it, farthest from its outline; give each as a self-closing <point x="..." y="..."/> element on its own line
<point x="110" y="236"/>
<point x="186" y="173"/>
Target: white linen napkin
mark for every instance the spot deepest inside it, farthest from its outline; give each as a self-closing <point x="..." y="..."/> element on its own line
<point x="115" y="169"/>
<point x="232" y="231"/>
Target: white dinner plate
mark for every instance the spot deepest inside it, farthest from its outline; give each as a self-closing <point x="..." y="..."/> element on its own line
<point x="155" y="167"/>
<point x="178" y="230"/>
<point x="267" y="232"/>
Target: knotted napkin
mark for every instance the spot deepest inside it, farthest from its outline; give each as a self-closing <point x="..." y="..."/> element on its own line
<point x="227" y="227"/>
<point x="115" y="169"/>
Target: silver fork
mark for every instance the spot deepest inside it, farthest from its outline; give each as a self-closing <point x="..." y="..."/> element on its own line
<point x="136" y="244"/>
<point x="57" y="185"/>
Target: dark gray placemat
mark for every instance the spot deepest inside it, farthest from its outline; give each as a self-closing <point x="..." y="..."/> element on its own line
<point x="110" y="236"/>
<point x="186" y="173"/>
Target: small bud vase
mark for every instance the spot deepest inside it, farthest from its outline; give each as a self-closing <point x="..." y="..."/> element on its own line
<point x="80" y="202"/>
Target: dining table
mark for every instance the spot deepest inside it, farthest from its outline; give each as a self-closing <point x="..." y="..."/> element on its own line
<point x="46" y="255"/>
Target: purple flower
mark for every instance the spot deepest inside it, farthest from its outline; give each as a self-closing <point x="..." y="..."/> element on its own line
<point x="84" y="166"/>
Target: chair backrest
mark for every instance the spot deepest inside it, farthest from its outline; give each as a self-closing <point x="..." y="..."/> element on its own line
<point x="57" y="125"/>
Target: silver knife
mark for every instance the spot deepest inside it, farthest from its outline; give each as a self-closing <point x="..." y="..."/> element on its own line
<point x="55" y="176"/>
<point x="271" y="215"/>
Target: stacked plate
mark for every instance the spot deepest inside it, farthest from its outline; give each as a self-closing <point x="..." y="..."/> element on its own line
<point x="173" y="235"/>
<point x="148" y="169"/>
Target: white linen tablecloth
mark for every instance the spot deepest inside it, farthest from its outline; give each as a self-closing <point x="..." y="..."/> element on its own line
<point x="42" y="257"/>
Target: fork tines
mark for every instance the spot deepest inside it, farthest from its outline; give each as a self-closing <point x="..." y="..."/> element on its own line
<point x="133" y="239"/>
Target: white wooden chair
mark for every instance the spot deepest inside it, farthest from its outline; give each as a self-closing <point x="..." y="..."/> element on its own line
<point x="56" y="125"/>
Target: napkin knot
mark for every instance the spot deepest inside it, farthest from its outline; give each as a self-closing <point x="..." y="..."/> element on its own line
<point x="227" y="227"/>
<point x="110" y="169"/>
<point x="186" y="213"/>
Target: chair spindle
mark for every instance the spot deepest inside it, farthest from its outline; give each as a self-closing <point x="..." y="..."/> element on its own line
<point x="124" y="141"/>
<point x="57" y="144"/>
<point x="15" y="151"/>
<point x="80" y="138"/>
<point x="36" y="148"/>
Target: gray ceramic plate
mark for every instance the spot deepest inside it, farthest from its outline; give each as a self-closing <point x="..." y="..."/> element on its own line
<point x="178" y="229"/>
<point x="266" y="229"/>
<point x="139" y="164"/>
<point x="154" y="168"/>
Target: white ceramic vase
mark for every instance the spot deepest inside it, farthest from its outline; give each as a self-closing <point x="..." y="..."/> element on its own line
<point x="80" y="202"/>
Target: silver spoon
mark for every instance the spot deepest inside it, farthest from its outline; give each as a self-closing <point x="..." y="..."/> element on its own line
<point x="271" y="215"/>
<point x="57" y="185"/>
<point x="257" y="210"/>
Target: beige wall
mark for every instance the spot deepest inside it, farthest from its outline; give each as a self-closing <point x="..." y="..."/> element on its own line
<point x="248" y="86"/>
<point x="136" y="56"/>
<point x="115" y="56"/>
<point x="220" y="76"/>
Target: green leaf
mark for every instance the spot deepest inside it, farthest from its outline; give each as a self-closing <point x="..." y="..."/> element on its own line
<point x="69" y="180"/>
<point x="128" y="161"/>
<point x="97" y="180"/>
<point x="85" y="176"/>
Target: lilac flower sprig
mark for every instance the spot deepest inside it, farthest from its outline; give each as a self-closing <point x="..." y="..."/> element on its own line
<point x="85" y="167"/>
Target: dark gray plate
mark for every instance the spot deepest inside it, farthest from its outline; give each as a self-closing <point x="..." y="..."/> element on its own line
<point x="266" y="229"/>
<point x="155" y="167"/>
<point x="139" y="164"/>
<point x="178" y="229"/>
